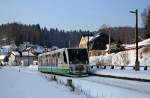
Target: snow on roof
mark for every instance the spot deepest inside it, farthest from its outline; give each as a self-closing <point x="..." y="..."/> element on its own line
<point x="93" y="37"/>
<point x="145" y="41"/>
<point x="39" y="49"/>
<point x="6" y="48"/>
<point x="26" y="54"/>
<point x="2" y="57"/>
<point x="90" y="38"/>
<point x="16" y="53"/>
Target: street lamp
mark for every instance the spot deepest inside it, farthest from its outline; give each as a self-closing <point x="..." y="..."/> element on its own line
<point x="109" y="40"/>
<point x="137" y="68"/>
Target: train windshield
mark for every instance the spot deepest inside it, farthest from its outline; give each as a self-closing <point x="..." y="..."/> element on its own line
<point x="78" y="56"/>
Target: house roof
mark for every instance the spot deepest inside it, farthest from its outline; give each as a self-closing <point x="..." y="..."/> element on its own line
<point x="2" y="57"/>
<point x="86" y="38"/>
<point x="16" y="53"/>
<point x="93" y="37"/>
<point x="26" y="54"/>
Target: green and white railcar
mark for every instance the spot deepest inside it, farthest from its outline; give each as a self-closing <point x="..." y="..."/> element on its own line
<point x="66" y="61"/>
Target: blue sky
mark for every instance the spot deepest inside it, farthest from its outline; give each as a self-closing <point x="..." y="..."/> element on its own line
<point x="72" y="14"/>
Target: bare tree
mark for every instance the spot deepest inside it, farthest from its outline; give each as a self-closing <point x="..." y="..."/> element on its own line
<point x="146" y="21"/>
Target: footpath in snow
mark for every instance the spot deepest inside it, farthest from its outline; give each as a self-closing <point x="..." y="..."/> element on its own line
<point x="28" y="83"/>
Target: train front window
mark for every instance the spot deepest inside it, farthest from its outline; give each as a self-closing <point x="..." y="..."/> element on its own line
<point x="78" y="56"/>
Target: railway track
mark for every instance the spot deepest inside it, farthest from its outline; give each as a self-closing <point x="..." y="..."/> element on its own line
<point x="141" y="87"/>
<point x="118" y="68"/>
<point x="131" y="85"/>
<point x="121" y="77"/>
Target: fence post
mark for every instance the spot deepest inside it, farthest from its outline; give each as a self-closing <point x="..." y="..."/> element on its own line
<point x="53" y="77"/>
<point x="104" y="67"/>
<point x="134" y="68"/>
<point x="122" y="67"/>
<point x="70" y="84"/>
<point x="97" y="66"/>
<point x="112" y="67"/>
<point x="145" y="67"/>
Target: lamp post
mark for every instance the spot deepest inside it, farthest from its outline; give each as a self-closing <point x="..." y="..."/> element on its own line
<point x="28" y="57"/>
<point x="137" y="68"/>
<point x="109" y="40"/>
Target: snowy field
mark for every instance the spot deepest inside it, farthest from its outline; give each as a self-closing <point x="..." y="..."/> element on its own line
<point x="20" y="82"/>
<point x="27" y="82"/>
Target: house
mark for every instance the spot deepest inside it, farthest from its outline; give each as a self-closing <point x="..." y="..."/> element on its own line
<point x="97" y="44"/>
<point x="34" y="49"/>
<point x="84" y="40"/>
<point x="7" y="48"/>
<point x="20" y="58"/>
<point x="2" y="57"/>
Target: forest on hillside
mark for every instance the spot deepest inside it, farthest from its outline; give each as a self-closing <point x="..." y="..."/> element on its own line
<point x="18" y="33"/>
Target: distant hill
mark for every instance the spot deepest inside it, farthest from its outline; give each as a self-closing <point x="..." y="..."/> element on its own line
<point x="125" y="34"/>
<point x="18" y="33"/>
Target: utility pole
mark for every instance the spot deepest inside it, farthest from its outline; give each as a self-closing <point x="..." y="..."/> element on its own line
<point x="88" y="42"/>
<point x="28" y="57"/>
<point x="69" y="43"/>
<point x="109" y="39"/>
<point x="28" y="48"/>
<point x="137" y="67"/>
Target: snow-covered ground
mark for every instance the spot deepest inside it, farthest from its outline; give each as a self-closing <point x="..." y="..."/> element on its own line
<point x="21" y="82"/>
<point x="99" y="87"/>
<point x="114" y="88"/>
<point x="123" y="73"/>
<point x="124" y="58"/>
<point x="27" y="82"/>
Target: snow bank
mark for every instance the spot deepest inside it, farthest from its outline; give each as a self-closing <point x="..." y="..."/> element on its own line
<point x="100" y="87"/>
<point x="103" y="88"/>
<point x="125" y="58"/>
<point x="106" y="60"/>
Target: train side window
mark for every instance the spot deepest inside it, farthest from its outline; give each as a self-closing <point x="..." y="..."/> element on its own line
<point x="65" y="59"/>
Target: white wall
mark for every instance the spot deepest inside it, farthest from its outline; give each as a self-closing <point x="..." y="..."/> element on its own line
<point x="17" y="60"/>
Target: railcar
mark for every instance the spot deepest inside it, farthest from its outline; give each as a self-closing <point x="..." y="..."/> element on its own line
<point x="71" y="62"/>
